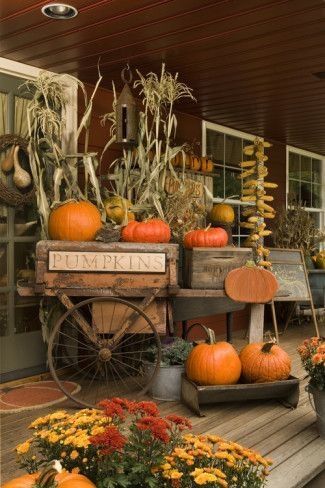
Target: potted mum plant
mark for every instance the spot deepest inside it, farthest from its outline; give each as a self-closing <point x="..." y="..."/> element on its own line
<point x="167" y="383"/>
<point x="312" y="354"/>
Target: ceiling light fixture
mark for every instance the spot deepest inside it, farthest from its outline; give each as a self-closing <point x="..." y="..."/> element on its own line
<point x="59" y="11"/>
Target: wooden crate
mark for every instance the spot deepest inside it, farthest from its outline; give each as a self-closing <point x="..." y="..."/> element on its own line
<point x="79" y="268"/>
<point x="207" y="268"/>
<point x="194" y="396"/>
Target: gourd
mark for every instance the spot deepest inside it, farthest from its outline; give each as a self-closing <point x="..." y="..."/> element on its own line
<point x="222" y="213"/>
<point x="22" y="179"/>
<point x="254" y="192"/>
<point x="209" y="237"/>
<point x="320" y="260"/>
<point x="206" y="165"/>
<point x="264" y="362"/>
<point x="48" y="478"/>
<point x="216" y="363"/>
<point x="74" y="221"/>
<point x="151" y="230"/>
<point x="195" y="163"/>
<point x="117" y="209"/>
<point x="8" y="163"/>
<point x="251" y="284"/>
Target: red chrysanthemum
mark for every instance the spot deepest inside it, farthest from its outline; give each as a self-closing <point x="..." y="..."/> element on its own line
<point x="144" y="408"/>
<point x="122" y="402"/>
<point x="181" y="422"/>
<point x="109" y="441"/>
<point x="157" y="426"/>
<point x="112" y="409"/>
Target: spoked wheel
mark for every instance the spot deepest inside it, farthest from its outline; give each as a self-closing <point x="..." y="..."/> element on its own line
<point x="100" y="344"/>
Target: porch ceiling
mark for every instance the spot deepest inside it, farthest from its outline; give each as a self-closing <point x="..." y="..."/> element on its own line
<point x="250" y="62"/>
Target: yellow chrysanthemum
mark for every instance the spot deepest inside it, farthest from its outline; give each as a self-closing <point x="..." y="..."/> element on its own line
<point x="204" y="478"/>
<point x="74" y="454"/>
<point x="23" y="448"/>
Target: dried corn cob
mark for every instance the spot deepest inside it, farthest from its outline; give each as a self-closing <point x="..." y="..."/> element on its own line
<point x="246" y="173"/>
<point x="249" y="198"/>
<point x="267" y="184"/>
<point x="247" y="164"/>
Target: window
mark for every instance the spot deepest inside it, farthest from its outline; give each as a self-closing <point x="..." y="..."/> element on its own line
<point x="225" y="147"/>
<point x="306" y="182"/>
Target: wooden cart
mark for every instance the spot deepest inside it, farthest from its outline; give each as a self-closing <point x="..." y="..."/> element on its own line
<point x="113" y="302"/>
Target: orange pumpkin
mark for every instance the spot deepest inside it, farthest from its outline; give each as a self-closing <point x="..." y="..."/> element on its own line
<point x="209" y="237"/>
<point x="213" y="364"/>
<point x="46" y="477"/>
<point x="251" y="284"/>
<point x="264" y="362"/>
<point x="222" y="213"/>
<point x="74" y="221"/>
<point x="195" y="163"/>
<point x="151" y="230"/>
<point x="206" y="165"/>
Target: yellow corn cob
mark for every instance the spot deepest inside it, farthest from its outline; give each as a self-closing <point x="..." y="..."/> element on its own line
<point x="267" y="184"/>
<point x="249" y="211"/>
<point x="249" y="198"/>
<point x="246" y="173"/>
<point x="269" y="215"/>
<point x="267" y="198"/>
<point x="246" y="225"/>
<point x="264" y="206"/>
<point x="267" y="264"/>
<point x="248" y="191"/>
<point x="252" y="219"/>
<point x="254" y="237"/>
<point x="262" y="171"/>
<point x="247" y="164"/>
<point x="266" y="144"/>
<point x="250" y="183"/>
<point x="266" y="252"/>
<point x="261" y="227"/>
<point x="265" y="233"/>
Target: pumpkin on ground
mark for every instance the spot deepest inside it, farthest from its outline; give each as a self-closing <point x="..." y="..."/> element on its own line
<point x="264" y="362"/>
<point x="209" y="237"/>
<point x="151" y="230"/>
<point x="46" y="479"/>
<point x="213" y="364"/>
<point x="251" y="284"/>
<point x="74" y="221"/>
<point x="117" y="209"/>
<point x="222" y="213"/>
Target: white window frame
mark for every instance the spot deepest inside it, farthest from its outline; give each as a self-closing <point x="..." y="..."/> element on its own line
<point x="309" y="154"/>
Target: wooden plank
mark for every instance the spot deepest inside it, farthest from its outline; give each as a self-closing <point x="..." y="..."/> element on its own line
<point x="256" y="323"/>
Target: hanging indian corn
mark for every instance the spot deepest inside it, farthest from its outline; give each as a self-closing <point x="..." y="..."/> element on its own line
<point x="254" y="187"/>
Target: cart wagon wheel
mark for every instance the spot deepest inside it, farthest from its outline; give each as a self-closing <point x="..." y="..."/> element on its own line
<point x="107" y="364"/>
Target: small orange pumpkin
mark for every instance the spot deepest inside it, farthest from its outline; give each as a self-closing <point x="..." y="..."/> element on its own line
<point x="213" y="364"/>
<point x="209" y="237"/>
<point x="251" y="284"/>
<point x="264" y="362"/>
<point x="74" y="221"/>
<point x="195" y="164"/>
<point x="206" y="165"/>
<point x="151" y="230"/>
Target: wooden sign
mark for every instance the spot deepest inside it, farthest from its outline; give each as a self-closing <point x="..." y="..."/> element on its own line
<point x="289" y="269"/>
<point x="172" y="185"/>
<point x="112" y="262"/>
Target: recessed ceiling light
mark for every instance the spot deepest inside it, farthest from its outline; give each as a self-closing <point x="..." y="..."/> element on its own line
<point x="59" y="11"/>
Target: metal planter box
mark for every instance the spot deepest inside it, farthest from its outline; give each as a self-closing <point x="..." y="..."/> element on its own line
<point x="194" y="396"/>
<point x="207" y="268"/>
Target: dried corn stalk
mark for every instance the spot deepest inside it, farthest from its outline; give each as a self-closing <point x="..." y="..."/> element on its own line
<point x="254" y="193"/>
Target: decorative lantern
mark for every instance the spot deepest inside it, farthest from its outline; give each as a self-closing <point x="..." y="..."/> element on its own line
<point x="126" y="113"/>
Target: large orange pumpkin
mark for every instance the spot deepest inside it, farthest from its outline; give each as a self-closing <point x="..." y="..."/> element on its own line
<point x="74" y="221"/>
<point x="264" y="362"/>
<point x="222" y="213"/>
<point x="213" y="364"/>
<point x="152" y="230"/>
<point x="251" y="284"/>
<point x="209" y="237"/>
<point x="45" y="478"/>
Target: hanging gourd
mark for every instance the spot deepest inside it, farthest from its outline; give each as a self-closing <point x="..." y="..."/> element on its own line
<point x="126" y="112"/>
<point x="22" y="179"/>
<point x="254" y="192"/>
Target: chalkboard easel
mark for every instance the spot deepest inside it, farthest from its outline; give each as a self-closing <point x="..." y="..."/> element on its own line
<point x="288" y="266"/>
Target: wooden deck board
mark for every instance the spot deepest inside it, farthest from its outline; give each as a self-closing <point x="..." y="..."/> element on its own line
<point x="287" y="436"/>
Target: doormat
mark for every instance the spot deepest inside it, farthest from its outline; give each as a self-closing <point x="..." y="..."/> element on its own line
<point x="31" y="396"/>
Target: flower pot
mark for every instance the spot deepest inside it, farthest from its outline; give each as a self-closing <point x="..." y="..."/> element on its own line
<point x="167" y="384"/>
<point x="318" y="404"/>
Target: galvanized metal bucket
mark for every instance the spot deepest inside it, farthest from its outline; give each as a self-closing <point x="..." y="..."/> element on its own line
<point x="167" y="383"/>
<point x="317" y="400"/>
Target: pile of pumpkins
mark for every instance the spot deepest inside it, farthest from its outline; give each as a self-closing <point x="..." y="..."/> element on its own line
<point x="220" y="364"/>
<point x="195" y="163"/>
<point x="80" y="221"/>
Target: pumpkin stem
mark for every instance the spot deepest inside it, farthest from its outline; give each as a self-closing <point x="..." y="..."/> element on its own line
<point x="267" y="347"/>
<point x="207" y="228"/>
<point x="211" y="335"/>
<point x="46" y="478"/>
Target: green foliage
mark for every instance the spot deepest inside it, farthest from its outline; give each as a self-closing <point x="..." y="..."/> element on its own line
<point x="172" y="354"/>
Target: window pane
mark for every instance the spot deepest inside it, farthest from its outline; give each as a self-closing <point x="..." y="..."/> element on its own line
<point x="233" y="151"/>
<point x="294" y="191"/>
<point x="232" y="183"/>
<point x="26" y="221"/>
<point x="305" y="168"/>
<point x="218" y="183"/>
<point x="294" y="166"/>
<point x="316" y="196"/>
<point x="3" y="314"/>
<point x="305" y="194"/>
<point x="24" y="259"/>
<point x="316" y="217"/>
<point x="316" y="170"/>
<point x="26" y="315"/>
<point x="3" y="221"/>
<point x="3" y="265"/>
<point x="215" y="146"/>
